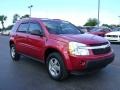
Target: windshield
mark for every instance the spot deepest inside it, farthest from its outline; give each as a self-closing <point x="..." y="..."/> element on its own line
<point x="60" y="27"/>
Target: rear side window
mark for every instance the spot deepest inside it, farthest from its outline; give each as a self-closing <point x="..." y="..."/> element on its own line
<point x="23" y="27"/>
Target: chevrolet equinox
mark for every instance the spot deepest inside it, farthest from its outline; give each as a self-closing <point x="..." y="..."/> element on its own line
<point x="60" y="46"/>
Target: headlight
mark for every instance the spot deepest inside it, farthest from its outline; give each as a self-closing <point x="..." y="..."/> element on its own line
<point x="76" y="48"/>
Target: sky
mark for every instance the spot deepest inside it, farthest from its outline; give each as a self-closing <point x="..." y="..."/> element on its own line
<point x="75" y="11"/>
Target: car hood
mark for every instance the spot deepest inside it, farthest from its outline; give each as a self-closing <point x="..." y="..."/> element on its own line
<point x="114" y="33"/>
<point x="83" y="38"/>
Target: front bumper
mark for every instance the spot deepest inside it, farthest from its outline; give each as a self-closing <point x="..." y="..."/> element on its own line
<point x="98" y="64"/>
<point x="111" y="39"/>
<point x="91" y="63"/>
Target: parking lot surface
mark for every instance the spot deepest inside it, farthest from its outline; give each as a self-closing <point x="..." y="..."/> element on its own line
<point x="28" y="74"/>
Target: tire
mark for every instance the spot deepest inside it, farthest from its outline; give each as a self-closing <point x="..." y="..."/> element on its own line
<point x="14" y="55"/>
<point x="56" y="67"/>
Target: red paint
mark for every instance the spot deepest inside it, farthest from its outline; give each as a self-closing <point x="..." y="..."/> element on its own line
<point x="36" y="46"/>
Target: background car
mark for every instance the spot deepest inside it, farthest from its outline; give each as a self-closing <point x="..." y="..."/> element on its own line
<point x="116" y="29"/>
<point x="113" y="36"/>
<point x="6" y="32"/>
<point x="83" y="29"/>
<point x="100" y="31"/>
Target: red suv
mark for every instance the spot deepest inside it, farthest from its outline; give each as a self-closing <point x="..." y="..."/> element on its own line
<point x="101" y="31"/>
<point x="60" y="45"/>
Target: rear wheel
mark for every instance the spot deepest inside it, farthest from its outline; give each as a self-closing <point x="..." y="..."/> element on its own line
<point x="56" y="67"/>
<point x="14" y="55"/>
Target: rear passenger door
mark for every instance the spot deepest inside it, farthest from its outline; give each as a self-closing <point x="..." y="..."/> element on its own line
<point x="21" y="38"/>
<point x="36" y="42"/>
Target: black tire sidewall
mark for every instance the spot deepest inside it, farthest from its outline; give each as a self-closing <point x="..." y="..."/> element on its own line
<point x="17" y="56"/>
<point x="63" y="72"/>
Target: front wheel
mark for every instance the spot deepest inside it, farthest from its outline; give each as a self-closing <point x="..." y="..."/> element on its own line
<point x="56" y="67"/>
<point x="14" y="55"/>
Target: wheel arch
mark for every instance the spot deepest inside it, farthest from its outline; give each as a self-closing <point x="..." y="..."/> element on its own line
<point x="11" y="42"/>
<point x="66" y="60"/>
<point x="51" y="50"/>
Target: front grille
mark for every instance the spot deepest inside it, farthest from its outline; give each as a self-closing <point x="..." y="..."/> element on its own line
<point x="114" y="36"/>
<point x="112" y="40"/>
<point x="101" y="51"/>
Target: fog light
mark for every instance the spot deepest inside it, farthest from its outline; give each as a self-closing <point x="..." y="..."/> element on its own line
<point x="82" y="63"/>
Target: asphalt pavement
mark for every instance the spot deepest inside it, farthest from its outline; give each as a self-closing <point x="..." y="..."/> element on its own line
<point x="28" y="74"/>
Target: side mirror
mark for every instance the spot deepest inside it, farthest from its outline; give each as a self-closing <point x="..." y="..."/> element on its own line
<point x="41" y="33"/>
<point x="37" y="32"/>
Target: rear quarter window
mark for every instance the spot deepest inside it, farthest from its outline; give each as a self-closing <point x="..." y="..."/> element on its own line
<point x="15" y="27"/>
<point x="23" y="27"/>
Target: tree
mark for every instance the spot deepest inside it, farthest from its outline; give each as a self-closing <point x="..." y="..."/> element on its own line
<point x="25" y="16"/>
<point x="91" y="22"/>
<point x="15" y="17"/>
<point x="2" y="19"/>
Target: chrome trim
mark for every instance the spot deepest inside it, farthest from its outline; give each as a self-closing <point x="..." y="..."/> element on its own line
<point x="95" y="47"/>
<point x="98" y="47"/>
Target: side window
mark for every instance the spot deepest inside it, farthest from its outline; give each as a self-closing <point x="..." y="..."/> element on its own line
<point x="23" y="27"/>
<point x="34" y="28"/>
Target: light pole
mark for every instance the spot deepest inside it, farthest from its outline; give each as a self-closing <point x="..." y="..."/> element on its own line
<point x="98" y="13"/>
<point x="119" y="17"/>
<point x="30" y="9"/>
